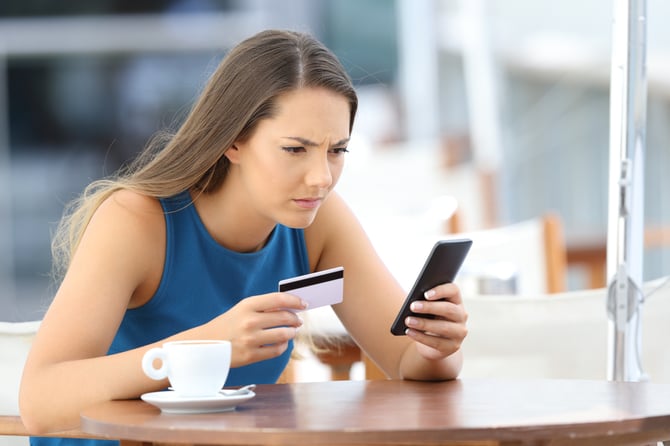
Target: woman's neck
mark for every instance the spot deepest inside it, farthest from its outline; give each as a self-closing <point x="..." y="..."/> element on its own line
<point x="231" y="223"/>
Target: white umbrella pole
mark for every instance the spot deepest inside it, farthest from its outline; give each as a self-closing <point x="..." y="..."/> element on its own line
<point x="628" y="100"/>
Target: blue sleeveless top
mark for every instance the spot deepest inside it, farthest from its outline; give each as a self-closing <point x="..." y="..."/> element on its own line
<point x="201" y="280"/>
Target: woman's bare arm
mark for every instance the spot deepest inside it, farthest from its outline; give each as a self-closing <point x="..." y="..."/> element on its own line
<point x="118" y="266"/>
<point x="372" y="298"/>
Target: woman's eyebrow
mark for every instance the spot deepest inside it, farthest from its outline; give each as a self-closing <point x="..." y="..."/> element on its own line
<point x="308" y="143"/>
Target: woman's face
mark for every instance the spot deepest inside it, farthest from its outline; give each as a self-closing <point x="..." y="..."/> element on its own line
<point x="292" y="161"/>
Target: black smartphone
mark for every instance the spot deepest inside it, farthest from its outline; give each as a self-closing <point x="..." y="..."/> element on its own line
<point x="442" y="265"/>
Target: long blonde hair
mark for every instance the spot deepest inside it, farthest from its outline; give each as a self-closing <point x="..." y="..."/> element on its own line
<point x="241" y="92"/>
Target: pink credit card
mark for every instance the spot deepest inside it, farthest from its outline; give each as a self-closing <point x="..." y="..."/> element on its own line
<point x="317" y="289"/>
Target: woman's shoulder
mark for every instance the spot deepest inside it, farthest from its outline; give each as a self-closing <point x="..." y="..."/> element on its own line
<point x="334" y="228"/>
<point x="332" y="212"/>
<point x="119" y="246"/>
<point x="126" y="200"/>
<point x="130" y="211"/>
<point x="327" y="218"/>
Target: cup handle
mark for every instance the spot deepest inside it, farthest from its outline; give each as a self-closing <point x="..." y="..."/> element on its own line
<point x="148" y="363"/>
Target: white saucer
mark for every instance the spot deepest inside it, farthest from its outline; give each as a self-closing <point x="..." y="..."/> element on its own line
<point x="169" y="402"/>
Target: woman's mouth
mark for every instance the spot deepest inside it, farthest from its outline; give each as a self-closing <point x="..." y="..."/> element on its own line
<point x="308" y="203"/>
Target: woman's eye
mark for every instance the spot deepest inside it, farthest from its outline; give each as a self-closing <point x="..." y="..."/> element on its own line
<point x="339" y="150"/>
<point x="293" y="149"/>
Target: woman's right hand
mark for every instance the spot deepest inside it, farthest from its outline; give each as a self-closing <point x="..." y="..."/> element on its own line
<point x="259" y="327"/>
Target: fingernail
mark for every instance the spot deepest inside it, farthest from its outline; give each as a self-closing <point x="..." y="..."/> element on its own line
<point x="428" y="294"/>
<point x="305" y="304"/>
<point x="302" y="321"/>
<point x="411" y="321"/>
<point x="416" y="306"/>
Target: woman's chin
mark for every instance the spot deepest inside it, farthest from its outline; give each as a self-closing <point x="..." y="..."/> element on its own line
<point x="299" y="222"/>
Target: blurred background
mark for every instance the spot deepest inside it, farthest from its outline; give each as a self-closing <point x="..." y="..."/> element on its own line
<point x="481" y="113"/>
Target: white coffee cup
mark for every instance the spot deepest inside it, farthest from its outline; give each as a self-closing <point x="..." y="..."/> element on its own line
<point x="194" y="368"/>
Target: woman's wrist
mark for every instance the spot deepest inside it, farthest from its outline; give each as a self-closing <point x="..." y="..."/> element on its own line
<point x="414" y="366"/>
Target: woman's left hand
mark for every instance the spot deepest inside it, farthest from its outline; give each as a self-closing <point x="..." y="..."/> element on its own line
<point x="441" y="336"/>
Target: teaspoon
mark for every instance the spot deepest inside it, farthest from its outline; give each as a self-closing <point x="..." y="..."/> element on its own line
<point x="241" y="391"/>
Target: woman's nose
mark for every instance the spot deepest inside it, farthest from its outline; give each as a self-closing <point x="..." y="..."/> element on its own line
<point x="319" y="173"/>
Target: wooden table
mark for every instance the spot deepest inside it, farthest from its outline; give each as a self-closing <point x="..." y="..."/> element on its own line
<point x="464" y="412"/>
<point x="12" y="426"/>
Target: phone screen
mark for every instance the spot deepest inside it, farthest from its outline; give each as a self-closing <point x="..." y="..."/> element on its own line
<point x="442" y="265"/>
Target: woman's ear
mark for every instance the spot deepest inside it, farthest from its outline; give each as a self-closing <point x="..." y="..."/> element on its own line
<point x="233" y="154"/>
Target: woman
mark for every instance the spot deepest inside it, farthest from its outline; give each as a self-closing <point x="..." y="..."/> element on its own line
<point x="191" y="240"/>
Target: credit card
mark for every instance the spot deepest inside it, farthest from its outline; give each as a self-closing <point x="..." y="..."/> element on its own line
<point x="317" y="289"/>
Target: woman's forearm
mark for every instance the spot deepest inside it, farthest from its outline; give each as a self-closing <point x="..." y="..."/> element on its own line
<point x="52" y="396"/>
<point x="414" y="366"/>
